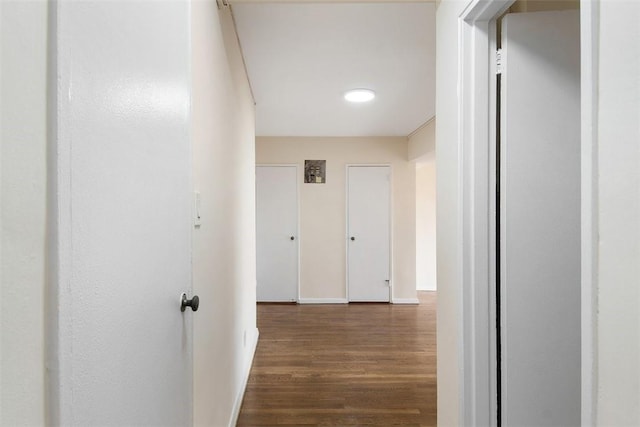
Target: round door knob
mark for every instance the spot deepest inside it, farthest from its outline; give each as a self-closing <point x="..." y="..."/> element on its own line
<point x="353" y="238"/>
<point x="193" y="302"/>
<point x="293" y="238"/>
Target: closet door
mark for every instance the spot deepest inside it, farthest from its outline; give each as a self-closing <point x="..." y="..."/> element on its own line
<point x="540" y="219"/>
<point x="277" y="233"/>
<point x="368" y="233"/>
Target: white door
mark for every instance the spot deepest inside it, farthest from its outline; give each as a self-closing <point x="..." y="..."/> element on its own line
<point x="277" y="232"/>
<point x="540" y="219"/>
<point x="368" y="233"/>
<point x="123" y="218"/>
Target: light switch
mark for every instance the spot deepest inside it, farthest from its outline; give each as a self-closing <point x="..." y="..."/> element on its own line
<point x="196" y="209"/>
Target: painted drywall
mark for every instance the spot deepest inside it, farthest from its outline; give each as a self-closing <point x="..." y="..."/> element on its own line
<point x="521" y="6"/>
<point x="123" y="214"/>
<point x="323" y="212"/>
<point x="23" y="55"/>
<point x="448" y="211"/>
<point x="422" y="150"/>
<point x="422" y="142"/>
<point x="224" y="265"/>
<point x="618" y="216"/>
<point x="426" y="225"/>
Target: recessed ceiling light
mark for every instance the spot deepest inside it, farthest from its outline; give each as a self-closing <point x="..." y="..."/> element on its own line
<point x="359" y="95"/>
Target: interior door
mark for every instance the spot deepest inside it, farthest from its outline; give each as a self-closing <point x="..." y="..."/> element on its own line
<point x="277" y="233"/>
<point x="368" y="233"/>
<point x="123" y="198"/>
<point x="540" y="219"/>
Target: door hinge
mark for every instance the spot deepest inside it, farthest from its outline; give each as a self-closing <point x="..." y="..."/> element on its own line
<point x="499" y="61"/>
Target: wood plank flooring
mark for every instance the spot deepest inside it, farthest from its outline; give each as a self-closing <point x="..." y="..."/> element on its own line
<point x="344" y="365"/>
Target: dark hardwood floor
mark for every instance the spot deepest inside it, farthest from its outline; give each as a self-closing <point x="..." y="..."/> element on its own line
<point x="344" y="365"/>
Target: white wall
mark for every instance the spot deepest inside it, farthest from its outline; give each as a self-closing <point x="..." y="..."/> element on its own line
<point x="224" y="245"/>
<point x="543" y="5"/>
<point x="23" y="48"/>
<point x="422" y="142"/>
<point x="618" y="296"/>
<point x="426" y="225"/>
<point x="422" y="150"/>
<point x="448" y="210"/>
<point x="322" y="209"/>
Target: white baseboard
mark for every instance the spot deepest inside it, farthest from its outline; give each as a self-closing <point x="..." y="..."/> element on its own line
<point x="237" y="404"/>
<point x="323" y="301"/>
<point x="405" y="301"/>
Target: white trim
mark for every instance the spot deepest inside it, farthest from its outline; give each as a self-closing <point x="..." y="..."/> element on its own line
<point x="58" y="252"/>
<point x="477" y="381"/>
<point x="493" y="243"/>
<point x="195" y="224"/>
<point x="242" y="54"/>
<point x="589" y="28"/>
<point x="323" y="301"/>
<point x="405" y="301"/>
<point x="346" y="228"/>
<point x="422" y="126"/>
<point x="299" y="177"/>
<point x="346" y="232"/>
<point x="237" y="404"/>
<point x="391" y="233"/>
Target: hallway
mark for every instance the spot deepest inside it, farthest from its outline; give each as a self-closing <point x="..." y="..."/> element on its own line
<point x="351" y="364"/>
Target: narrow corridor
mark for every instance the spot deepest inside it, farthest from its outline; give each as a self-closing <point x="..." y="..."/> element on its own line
<point x="337" y="365"/>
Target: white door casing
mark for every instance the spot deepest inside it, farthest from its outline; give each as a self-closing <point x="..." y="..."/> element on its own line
<point x="277" y="232"/>
<point x="540" y="219"/>
<point x="368" y="233"/>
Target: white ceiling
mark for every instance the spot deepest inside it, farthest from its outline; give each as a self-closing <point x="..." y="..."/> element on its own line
<point x="301" y="58"/>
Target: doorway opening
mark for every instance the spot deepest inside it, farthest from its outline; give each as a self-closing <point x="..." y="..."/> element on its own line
<point x="486" y="274"/>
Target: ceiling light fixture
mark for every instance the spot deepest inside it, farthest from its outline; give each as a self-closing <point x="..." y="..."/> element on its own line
<point x="359" y="95"/>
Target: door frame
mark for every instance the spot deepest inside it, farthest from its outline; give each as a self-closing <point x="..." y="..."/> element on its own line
<point x="298" y="178"/>
<point x="346" y="228"/>
<point x="476" y="305"/>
